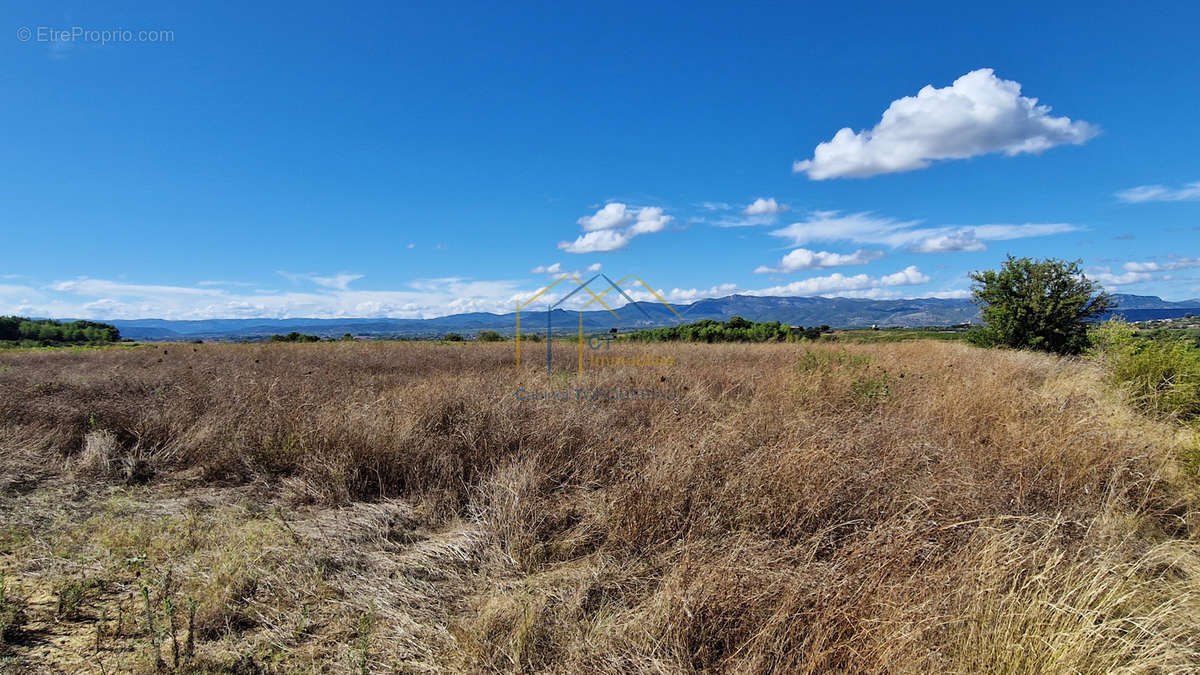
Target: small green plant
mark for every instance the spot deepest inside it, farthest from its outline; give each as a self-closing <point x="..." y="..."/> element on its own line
<point x="366" y="624"/>
<point x="154" y="632"/>
<point x="72" y="597"/>
<point x="872" y="389"/>
<point x="189" y="645"/>
<point x="169" y="610"/>
<point x="1161" y="374"/>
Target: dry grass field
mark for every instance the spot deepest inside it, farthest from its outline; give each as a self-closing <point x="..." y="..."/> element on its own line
<point x="369" y="507"/>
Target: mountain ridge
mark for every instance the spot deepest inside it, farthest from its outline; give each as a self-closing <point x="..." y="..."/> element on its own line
<point x="792" y="310"/>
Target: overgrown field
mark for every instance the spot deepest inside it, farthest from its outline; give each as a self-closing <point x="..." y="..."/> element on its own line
<point x="903" y="507"/>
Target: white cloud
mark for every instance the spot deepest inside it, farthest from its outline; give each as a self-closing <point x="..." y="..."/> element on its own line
<point x="962" y="240"/>
<point x="978" y="114"/>
<point x="421" y="298"/>
<point x="610" y="216"/>
<point x="762" y="211"/>
<point x="85" y="286"/>
<point x="950" y="294"/>
<point x="596" y="242"/>
<point x="746" y="221"/>
<point x="715" y="206"/>
<point x="614" y="226"/>
<point x="547" y="269"/>
<point x="1160" y="193"/>
<point x="338" y="281"/>
<point x="106" y="299"/>
<point x="762" y="206"/>
<point x="681" y="295"/>
<point x="909" y="276"/>
<point x="868" y="228"/>
<point x="594" y="267"/>
<point x="1105" y="276"/>
<point x="1169" y="264"/>
<point x="838" y="284"/>
<point x="804" y="259"/>
<point x="650" y="219"/>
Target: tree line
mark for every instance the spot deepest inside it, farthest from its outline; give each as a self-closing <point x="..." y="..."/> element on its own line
<point x="23" y="331"/>
<point x="736" y="329"/>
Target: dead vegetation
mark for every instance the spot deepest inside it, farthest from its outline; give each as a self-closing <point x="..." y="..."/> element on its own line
<point x="905" y="507"/>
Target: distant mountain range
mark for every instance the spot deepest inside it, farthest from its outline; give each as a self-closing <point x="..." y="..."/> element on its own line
<point x="834" y="312"/>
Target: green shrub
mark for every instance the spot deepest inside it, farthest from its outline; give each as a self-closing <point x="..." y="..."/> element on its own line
<point x="1038" y="304"/>
<point x="1161" y="374"/>
<point x="453" y="337"/>
<point x="295" y="336"/>
<point x="490" y="336"/>
<point x="981" y="336"/>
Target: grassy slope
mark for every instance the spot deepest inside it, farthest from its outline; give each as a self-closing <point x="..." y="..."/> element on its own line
<point x="919" y="506"/>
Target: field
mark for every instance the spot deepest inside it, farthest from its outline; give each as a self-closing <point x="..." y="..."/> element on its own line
<point x="915" y="506"/>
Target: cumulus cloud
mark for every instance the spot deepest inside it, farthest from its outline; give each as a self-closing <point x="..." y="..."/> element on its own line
<point x="594" y="267"/>
<point x="804" y="259"/>
<point x="614" y="226"/>
<point x="762" y="211"/>
<point x="868" y="228"/>
<point x="909" y="276"/>
<point x="762" y="206"/>
<point x="1160" y="193"/>
<point x="610" y="216"/>
<point x="650" y="219"/>
<point x="838" y="284"/>
<point x="547" y="269"/>
<point x="978" y="114"/>
<point x="596" y="242"/>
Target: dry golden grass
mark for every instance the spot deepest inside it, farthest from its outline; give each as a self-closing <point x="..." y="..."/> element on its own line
<point x="905" y="507"/>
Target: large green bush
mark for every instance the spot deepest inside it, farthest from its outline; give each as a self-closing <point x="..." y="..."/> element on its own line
<point x="1037" y="304"/>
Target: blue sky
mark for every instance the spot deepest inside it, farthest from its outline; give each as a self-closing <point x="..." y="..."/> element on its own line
<point x="310" y="159"/>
